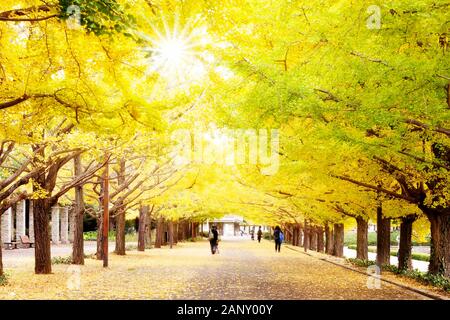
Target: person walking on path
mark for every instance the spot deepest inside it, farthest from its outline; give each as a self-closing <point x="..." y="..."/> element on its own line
<point x="214" y="239"/>
<point x="259" y="234"/>
<point x="279" y="237"/>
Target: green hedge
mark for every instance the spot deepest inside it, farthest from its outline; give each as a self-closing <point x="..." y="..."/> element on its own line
<point x="350" y="239"/>
<point x="267" y="236"/>
<point x="92" y="236"/>
<point x="4" y="279"/>
<point x="62" y="260"/>
<point x="196" y="239"/>
<point x="420" y="257"/>
<point x="68" y="260"/>
<point x="414" y="256"/>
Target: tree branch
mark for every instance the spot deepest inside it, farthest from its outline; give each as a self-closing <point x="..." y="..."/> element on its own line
<point x="25" y="97"/>
<point x="426" y="126"/>
<point x="23" y="14"/>
<point x="375" y="188"/>
<point x="360" y="55"/>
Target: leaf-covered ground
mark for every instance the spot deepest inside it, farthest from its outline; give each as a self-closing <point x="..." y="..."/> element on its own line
<point x="242" y="270"/>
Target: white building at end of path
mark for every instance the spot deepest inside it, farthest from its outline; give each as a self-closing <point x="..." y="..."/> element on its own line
<point x="233" y="225"/>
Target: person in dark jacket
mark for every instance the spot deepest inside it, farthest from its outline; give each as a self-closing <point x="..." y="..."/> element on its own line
<point x="259" y="234"/>
<point x="278" y="236"/>
<point x="214" y="239"/>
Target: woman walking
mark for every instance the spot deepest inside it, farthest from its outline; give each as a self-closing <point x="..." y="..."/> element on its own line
<point x="279" y="237"/>
<point x="214" y="239"/>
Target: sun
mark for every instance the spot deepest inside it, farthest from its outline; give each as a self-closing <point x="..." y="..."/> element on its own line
<point x="172" y="52"/>
<point x="178" y="55"/>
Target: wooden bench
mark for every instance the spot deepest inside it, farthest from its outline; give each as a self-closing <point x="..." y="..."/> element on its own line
<point x="26" y="241"/>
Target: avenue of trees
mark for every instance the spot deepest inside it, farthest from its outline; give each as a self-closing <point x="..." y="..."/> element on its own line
<point x="362" y="110"/>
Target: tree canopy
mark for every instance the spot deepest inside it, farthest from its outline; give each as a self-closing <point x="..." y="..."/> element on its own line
<point x="360" y="103"/>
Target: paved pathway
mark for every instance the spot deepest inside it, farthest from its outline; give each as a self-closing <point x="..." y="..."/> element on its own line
<point x="244" y="269"/>
<point x="20" y="257"/>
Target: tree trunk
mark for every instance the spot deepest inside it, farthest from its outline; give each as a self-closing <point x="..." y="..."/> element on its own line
<point x="120" y="233"/>
<point x="295" y="236"/>
<point x="1" y="245"/>
<point x="405" y="246"/>
<point x="300" y="235"/>
<point x="383" y="238"/>
<point x="185" y="230"/>
<point x="148" y="229"/>
<point x="159" y="231"/>
<point x="143" y="211"/>
<point x="291" y="233"/>
<point x="362" y="232"/>
<point x="106" y="214"/>
<point x="320" y="244"/>
<point x="120" y="216"/>
<point x="99" y="253"/>
<point x="313" y="239"/>
<point x="329" y="245"/>
<point x="440" y="241"/>
<point x="188" y="229"/>
<point x="306" y="237"/>
<point x="42" y="253"/>
<point x="78" y="215"/>
<point x="193" y="230"/>
<point x="149" y="235"/>
<point x="338" y="240"/>
<point x="180" y="231"/>
<point x="175" y="233"/>
<point x="171" y="234"/>
<point x="165" y="235"/>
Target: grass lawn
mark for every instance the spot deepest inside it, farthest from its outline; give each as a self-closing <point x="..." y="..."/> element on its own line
<point x="92" y="236"/>
<point x="350" y="239"/>
<point x="415" y="256"/>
